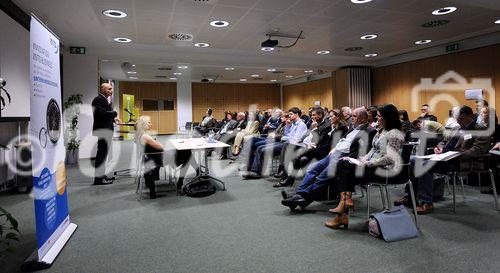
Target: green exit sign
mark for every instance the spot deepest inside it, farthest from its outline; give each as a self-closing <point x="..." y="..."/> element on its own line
<point x="453" y="47"/>
<point x="77" y="50"/>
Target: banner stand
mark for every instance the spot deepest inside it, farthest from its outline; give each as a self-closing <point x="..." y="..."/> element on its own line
<point x="52" y="222"/>
<point x="33" y="263"/>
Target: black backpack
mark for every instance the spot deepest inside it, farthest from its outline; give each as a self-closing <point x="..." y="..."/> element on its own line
<point x="200" y="188"/>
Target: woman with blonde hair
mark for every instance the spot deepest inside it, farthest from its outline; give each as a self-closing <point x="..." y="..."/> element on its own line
<point x="251" y="130"/>
<point x="153" y="151"/>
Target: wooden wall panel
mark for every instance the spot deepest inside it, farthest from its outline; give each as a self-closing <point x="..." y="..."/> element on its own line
<point x="232" y="97"/>
<point x="341" y="89"/>
<point x="393" y="84"/>
<point x="303" y="95"/>
<point x="164" y="122"/>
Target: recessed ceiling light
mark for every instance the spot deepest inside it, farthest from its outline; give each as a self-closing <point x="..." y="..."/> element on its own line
<point x="443" y="11"/>
<point x="371" y="55"/>
<point x="323" y="52"/>
<point x="173" y="78"/>
<point x="271" y="69"/>
<point x="133" y="65"/>
<point x="243" y="80"/>
<point x="497" y="21"/>
<point x="114" y="13"/>
<point x="132" y="72"/>
<point x="133" y="78"/>
<point x="308" y="71"/>
<point x="229" y="68"/>
<point x="360" y="1"/>
<point x="368" y="36"/>
<point x="210" y="79"/>
<point x="122" y="40"/>
<point x="202" y="45"/>
<point x="288" y="76"/>
<point x="255" y="76"/>
<point x="219" y="23"/>
<point x="273" y="80"/>
<point x="422" y="42"/>
<point x="182" y="66"/>
<point x="267" y="48"/>
<point x="104" y="60"/>
<point x="177" y="73"/>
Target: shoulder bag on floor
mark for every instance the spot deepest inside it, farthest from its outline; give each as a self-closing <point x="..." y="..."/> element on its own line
<point x="393" y="225"/>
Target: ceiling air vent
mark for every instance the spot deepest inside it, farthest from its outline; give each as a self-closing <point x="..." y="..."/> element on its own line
<point x="181" y="36"/>
<point x="257" y="78"/>
<point x="160" y="76"/>
<point x="278" y="72"/>
<point x="164" y="68"/>
<point x="435" y="23"/>
<point x="354" y="48"/>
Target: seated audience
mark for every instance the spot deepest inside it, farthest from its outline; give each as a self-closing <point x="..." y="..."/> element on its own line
<point x="451" y="122"/>
<point x="228" y="125"/>
<point x="255" y="142"/>
<point x="346" y="113"/>
<point x="317" y="137"/>
<point x="293" y="135"/>
<point x="405" y="121"/>
<point x="372" y="116"/>
<point x="207" y="124"/>
<point x="465" y="141"/>
<point x="384" y="153"/>
<point x="153" y="152"/>
<point x="356" y="142"/>
<point x="230" y="135"/>
<point x="273" y="122"/>
<point x="251" y="130"/>
<point x="426" y="109"/>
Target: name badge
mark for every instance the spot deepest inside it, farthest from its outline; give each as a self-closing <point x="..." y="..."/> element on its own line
<point x="468" y="136"/>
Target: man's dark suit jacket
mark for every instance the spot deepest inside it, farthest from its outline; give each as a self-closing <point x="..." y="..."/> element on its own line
<point x="356" y="144"/>
<point x="104" y="115"/>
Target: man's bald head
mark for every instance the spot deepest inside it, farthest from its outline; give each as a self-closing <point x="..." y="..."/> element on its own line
<point x="359" y="116"/>
<point x="106" y="89"/>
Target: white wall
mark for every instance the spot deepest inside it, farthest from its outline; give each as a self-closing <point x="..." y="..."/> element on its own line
<point x="184" y="103"/>
<point x="14" y="66"/>
<point x="80" y="75"/>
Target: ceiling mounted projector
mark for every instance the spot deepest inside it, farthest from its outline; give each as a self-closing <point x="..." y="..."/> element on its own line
<point x="270" y="43"/>
<point x="275" y="43"/>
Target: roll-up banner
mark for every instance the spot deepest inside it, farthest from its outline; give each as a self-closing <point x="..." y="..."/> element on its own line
<point x="53" y="226"/>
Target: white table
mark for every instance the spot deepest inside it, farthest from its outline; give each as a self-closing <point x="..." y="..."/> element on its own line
<point x="199" y="146"/>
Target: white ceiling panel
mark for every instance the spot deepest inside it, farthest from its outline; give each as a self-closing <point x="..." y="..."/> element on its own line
<point x="327" y="24"/>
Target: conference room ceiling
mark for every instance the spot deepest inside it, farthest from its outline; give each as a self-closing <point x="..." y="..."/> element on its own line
<point x="332" y="25"/>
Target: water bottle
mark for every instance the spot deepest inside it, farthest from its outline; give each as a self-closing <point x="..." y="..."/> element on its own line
<point x="211" y="135"/>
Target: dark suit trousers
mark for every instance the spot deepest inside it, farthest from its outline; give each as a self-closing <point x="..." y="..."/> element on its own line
<point x="103" y="141"/>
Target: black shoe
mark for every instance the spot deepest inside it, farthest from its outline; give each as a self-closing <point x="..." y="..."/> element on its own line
<point x="280" y="174"/>
<point x="287" y="182"/>
<point x="251" y="175"/>
<point x="102" y="181"/>
<point x="109" y="177"/>
<point x="296" y="200"/>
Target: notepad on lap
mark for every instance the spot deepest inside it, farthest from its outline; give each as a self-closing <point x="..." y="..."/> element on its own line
<point x="445" y="156"/>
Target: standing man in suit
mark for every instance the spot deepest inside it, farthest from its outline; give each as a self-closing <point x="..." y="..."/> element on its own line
<point x="104" y="117"/>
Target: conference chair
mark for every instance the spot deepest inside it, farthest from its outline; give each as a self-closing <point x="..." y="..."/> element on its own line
<point x="403" y="178"/>
<point x="475" y="170"/>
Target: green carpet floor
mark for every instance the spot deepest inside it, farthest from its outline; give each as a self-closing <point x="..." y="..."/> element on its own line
<point x="246" y="229"/>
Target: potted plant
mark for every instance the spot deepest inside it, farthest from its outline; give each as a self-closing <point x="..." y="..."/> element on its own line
<point x="71" y="135"/>
<point x="9" y="232"/>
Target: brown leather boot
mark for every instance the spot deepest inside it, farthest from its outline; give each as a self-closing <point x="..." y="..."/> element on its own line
<point x="345" y="203"/>
<point x="339" y="221"/>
